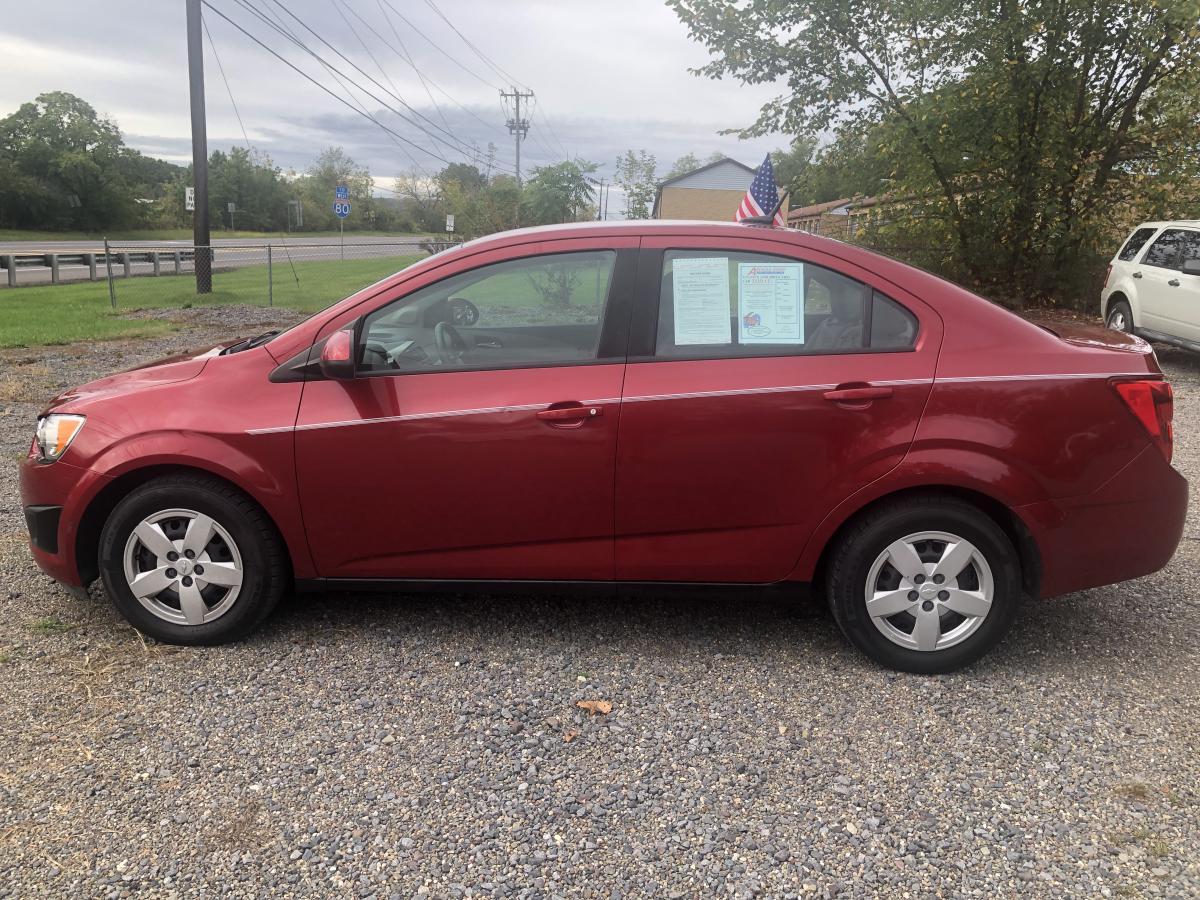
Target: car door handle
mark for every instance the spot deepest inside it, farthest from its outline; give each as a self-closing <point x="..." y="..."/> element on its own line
<point x="863" y="394"/>
<point x="1174" y="282"/>
<point x="1137" y="274"/>
<point x="570" y="414"/>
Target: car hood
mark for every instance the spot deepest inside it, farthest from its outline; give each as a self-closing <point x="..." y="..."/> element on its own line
<point x="180" y="367"/>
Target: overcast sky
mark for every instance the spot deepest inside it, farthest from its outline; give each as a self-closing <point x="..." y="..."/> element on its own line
<point x="608" y="75"/>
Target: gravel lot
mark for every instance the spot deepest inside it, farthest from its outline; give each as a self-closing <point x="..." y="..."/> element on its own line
<point x="396" y="746"/>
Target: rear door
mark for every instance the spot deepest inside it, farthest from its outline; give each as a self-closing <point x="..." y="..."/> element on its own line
<point x="762" y="389"/>
<point x="478" y="440"/>
<point x="1170" y="300"/>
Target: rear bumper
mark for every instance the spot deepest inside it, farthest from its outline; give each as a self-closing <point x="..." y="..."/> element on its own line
<point x="1128" y="528"/>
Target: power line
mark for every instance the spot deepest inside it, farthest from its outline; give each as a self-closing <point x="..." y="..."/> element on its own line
<point x="267" y="16"/>
<point x="438" y="47"/>
<point x="482" y="56"/>
<point x="337" y="5"/>
<point x="404" y="54"/>
<point x="308" y="77"/>
<point x="220" y="68"/>
<point x="307" y="49"/>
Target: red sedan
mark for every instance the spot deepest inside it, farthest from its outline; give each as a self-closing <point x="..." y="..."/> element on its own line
<point x="643" y="406"/>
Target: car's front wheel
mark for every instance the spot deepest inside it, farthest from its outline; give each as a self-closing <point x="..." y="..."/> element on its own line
<point x="190" y="560"/>
<point x="1120" y="318"/>
<point x="924" y="585"/>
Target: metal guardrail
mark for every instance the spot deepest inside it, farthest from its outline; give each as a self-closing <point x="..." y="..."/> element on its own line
<point x="52" y="266"/>
<point x="172" y="260"/>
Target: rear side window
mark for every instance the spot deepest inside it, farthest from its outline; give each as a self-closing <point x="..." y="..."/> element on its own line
<point x="1172" y="247"/>
<point x="1136" y="242"/>
<point x="892" y="326"/>
<point x="717" y="304"/>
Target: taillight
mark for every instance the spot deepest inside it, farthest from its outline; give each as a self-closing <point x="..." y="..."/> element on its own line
<point x="1107" y="274"/>
<point x="1152" y="403"/>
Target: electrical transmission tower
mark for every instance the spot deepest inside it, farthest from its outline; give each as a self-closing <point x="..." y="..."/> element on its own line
<point x="517" y="126"/>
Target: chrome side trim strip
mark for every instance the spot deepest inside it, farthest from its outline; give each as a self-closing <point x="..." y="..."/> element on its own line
<point x="972" y="379"/>
<point x="693" y="395"/>
<point x="416" y="417"/>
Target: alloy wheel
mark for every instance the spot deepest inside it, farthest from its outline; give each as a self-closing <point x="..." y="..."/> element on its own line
<point x="183" y="566"/>
<point x="929" y="591"/>
<point x="1116" y="321"/>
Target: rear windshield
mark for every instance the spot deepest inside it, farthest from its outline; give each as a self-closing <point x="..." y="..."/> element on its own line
<point x="1136" y="242"/>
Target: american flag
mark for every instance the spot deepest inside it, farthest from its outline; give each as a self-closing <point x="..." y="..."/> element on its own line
<point x="763" y="195"/>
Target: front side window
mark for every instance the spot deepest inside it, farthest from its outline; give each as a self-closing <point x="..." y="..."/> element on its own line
<point x="1136" y="242"/>
<point x="539" y="311"/>
<point x="729" y="304"/>
<point x="1172" y="247"/>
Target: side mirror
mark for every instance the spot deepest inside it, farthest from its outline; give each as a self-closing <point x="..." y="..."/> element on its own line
<point x="337" y="356"/>
<point x="1191" y="267"/>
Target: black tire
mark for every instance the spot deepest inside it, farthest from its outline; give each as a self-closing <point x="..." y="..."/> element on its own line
<point x="265" y="568"/>
<point x="865" y="540"/>
<point x="1126" y="315"/>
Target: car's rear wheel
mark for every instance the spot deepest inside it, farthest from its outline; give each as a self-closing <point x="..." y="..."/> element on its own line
<point x="925" y="585"/>
<point x="1120" y="318"/>
<point x="190" y="560"/>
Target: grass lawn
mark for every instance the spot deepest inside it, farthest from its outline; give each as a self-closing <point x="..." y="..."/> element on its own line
<point x="65" y="313"/>
<point x="185" y="234"/>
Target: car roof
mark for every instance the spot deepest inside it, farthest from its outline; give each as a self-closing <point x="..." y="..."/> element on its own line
<point x="1174" y="223"/>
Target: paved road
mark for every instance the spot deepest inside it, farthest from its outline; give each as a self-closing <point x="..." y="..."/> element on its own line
<point x="228" y="253"/>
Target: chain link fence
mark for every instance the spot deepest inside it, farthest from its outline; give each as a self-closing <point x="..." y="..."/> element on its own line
<point x="299" y="272"/>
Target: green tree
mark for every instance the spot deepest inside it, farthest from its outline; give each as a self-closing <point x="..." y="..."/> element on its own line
<point x="635" y="177"/>
<point x="1009" y="129"/>
<point x="559" y="193"/>
<point x="61" y="167"/>
<point x="686" y="163"/>
<point x="317" y="187"/>
<point x="253" y="185"/>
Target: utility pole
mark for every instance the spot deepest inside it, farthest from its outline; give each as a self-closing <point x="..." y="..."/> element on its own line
<point x="519" y="128"/>
<point x="201" y="237"/>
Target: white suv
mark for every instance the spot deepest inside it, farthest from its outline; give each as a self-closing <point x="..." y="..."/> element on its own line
<point x="1153" y="284"/>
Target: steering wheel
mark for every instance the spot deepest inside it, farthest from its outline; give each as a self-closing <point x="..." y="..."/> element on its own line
<point x="449" y="344"/>
<point x="463" y="312"/>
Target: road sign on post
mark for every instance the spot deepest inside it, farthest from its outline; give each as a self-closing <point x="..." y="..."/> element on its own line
<point x="341" y="192"/>
<point x="341" y="209"/>
<point x="189" y="199"/>
<point x="449" y="223"/>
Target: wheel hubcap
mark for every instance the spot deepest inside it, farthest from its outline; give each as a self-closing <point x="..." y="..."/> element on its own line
<point x="929" y="591"/>
<point x="183" y="567"/>
<point x="1117" y="321"/>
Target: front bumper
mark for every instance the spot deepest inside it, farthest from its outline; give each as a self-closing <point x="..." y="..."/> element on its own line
<point x="55" y="497"/>
<point x="1128" y="528"/>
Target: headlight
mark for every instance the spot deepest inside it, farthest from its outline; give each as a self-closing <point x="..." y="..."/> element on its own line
<point x="55" y="433"/>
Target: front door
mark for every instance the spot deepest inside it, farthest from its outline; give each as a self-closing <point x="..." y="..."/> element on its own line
<point x="772" y="388"/>
<point x="478" y="440"/>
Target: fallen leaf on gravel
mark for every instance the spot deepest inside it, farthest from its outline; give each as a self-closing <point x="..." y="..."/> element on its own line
<point x="595" y="706"/>
<point x="569" y="736"/>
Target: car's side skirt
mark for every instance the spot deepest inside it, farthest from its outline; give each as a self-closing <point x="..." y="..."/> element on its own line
<point x="517" y="587"/>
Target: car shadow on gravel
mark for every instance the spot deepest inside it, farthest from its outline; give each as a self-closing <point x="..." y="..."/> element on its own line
<point x="1048" y="636"/>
